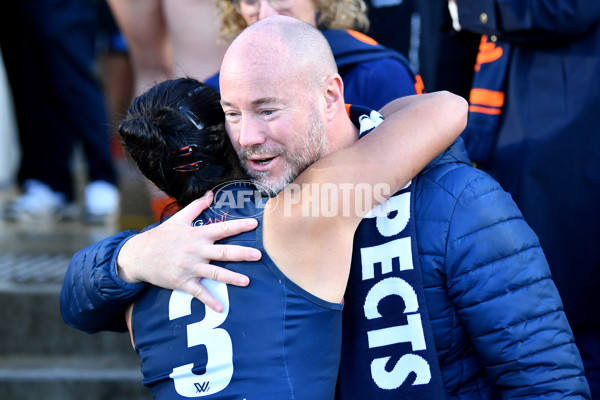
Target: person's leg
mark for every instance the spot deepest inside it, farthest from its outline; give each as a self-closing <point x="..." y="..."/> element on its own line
<point x="115" y="71"/>
<point x="143" y="25"/>
<point x="90" y="117"/>
<point x="45" y="138"/>
<point x="77" y="87"/>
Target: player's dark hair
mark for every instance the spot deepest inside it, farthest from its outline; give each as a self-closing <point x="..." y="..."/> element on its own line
<point x="175" y="132"/>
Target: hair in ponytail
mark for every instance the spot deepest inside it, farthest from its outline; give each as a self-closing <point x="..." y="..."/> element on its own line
<point x="175" y="132"/>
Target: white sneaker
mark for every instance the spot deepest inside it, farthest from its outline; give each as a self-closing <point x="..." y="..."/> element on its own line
<point x="101" y="202"/>
<point x="38" y="201"/>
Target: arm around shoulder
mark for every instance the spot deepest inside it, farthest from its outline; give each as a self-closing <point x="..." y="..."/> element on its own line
<point x="93" y="297"/>
<point x="416" y="130"/>
<point x="420" y="128"/>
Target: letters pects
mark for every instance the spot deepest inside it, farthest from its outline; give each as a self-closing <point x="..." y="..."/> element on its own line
<point x="391" y="283"/>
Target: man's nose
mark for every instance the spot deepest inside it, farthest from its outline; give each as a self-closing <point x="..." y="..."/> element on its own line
<point x="250" y="133"/>
<point x="266" y="9"/>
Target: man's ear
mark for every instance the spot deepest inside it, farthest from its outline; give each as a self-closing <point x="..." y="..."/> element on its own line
<point x="334" y="94"/>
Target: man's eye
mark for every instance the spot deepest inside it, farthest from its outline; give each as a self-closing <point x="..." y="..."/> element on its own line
<point x="231" y="114"/>
<point x="268" y="112"/>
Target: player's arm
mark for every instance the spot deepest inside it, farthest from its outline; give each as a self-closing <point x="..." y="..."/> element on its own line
<point x="313" y="250"/>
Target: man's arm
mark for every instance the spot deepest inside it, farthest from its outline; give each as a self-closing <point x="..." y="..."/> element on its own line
<point x="173" y="255"/>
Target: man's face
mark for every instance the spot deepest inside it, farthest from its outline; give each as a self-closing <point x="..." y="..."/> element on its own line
<point x="275" y="126"/>
<point x="305" y="10"/>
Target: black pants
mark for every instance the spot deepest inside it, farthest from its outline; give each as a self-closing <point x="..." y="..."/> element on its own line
<point x="49" y="54"/>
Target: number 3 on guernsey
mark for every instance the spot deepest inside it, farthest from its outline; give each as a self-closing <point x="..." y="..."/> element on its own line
<point x="219" y="367"/>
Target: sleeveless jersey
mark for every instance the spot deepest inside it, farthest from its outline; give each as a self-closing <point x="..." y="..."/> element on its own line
<point x="273" y="339"/>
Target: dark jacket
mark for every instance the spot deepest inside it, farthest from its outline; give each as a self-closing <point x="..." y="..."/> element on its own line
<point x="496" y="314"/>
<point x="540" y="131"/>
<point x="495" y="311"/>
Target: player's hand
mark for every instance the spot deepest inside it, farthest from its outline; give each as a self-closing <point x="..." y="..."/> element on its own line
<point x="175" y="255"/>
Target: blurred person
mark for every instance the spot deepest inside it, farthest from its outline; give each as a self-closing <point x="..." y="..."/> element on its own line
<point x="49" y="56"/>
<point x="176" y="134"/>
<point x="495" y="313"/>
<point x="115" y="69"/>
<point x="167" y="39"/>
<point x="534" y="126"/>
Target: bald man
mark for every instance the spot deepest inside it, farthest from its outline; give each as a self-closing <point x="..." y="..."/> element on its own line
<point x="271" y="78"/>
<point x="487" y="283"/>
<point x="281" y="336"/>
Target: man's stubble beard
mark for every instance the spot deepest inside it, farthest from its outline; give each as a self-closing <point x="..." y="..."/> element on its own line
<point x="312" y="147"/>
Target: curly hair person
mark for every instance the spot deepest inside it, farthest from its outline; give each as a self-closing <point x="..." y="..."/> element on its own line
<point x="331" y="14"/>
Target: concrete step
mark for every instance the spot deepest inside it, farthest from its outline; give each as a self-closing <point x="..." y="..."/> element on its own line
<point x="40" y="356"/>
<point x="32" y="326"/>
<point x="43" y="358"/>
<point x="75" y="378"/>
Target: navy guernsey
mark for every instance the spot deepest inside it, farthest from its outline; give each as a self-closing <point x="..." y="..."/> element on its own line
<point x="273" y="340"/>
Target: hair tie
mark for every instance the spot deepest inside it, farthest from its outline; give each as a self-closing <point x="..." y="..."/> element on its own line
<point x="184" y="152"/>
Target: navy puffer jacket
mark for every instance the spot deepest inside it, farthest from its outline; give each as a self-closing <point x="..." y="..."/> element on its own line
<point x="497" y="318"/>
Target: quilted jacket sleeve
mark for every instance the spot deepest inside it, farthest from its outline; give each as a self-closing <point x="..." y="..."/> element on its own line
<point x="500" y="284"/>
<point x="93" y="298"/>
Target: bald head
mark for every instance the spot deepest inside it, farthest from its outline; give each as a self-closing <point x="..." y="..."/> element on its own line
<point x="283" y="99"/>
<point x="281" y="44"/>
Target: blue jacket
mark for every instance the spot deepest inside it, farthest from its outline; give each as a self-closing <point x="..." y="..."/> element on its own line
<point x="496" y="314"/>
<point x="494" y="308"/>
<point x="373" y="74"/>
<point x="537" y="129"/>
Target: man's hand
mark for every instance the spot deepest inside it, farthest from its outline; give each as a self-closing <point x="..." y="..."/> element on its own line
<point x="175" y="255"/>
